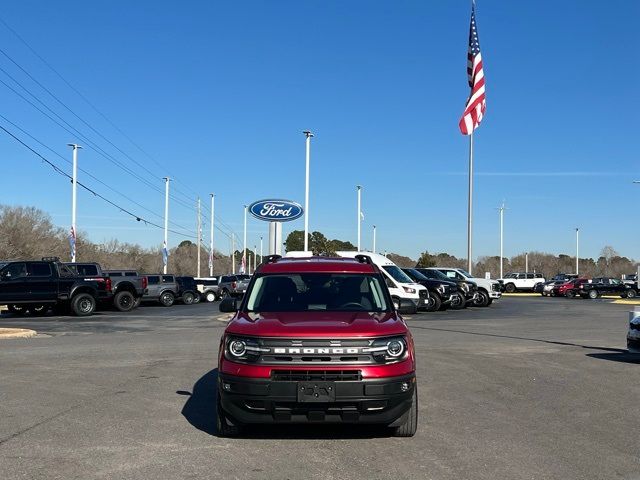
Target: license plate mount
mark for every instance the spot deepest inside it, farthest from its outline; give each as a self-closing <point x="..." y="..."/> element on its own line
<point x="319" y="392"/>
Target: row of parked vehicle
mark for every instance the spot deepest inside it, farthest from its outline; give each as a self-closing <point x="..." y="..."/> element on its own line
<point x="36" y="287"/>
<point x="570" y="285"/>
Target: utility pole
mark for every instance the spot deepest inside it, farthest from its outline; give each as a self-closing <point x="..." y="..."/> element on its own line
<point x="165" y="245"/>
<point x="374" y="239"/>
<point x="199" y="233"/>
<point x="213" y="197"/>
<point x="577" y="250"/>
<point x="308" y="134"/>
<point x="359" y="188"/>
<point x="74" y="197"/>
<point x="233" y="253"/>
<point x="245" y="258"/>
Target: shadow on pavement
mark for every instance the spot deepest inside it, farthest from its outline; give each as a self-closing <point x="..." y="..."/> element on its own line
<point x="623" y="356"/>
<point x="200" y="411"/>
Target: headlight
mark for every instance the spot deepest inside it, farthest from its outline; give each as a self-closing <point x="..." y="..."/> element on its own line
<point x="243" y="349"/>
<point x="409" y="290"/>
<point x="388" y="349"/>
<point x="464" y="287"/>
<point x="442" y="288"/>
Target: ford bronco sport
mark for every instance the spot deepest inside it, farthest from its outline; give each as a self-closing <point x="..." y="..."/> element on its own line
<point x="316" y="340"/>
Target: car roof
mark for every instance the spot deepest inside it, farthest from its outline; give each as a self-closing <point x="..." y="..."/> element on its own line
<point x="317" y="265"/>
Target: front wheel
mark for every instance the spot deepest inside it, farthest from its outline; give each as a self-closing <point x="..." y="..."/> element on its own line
<point x="124" y="301"/>
<point x="593" y="294"/>
<point x="510" y="288"/>
<point x="482" y="300"/>
<point x="17" y="309"/>
<point x="570" y="294"/>
<point x="410" y="426"/>
<point x="225" y="293"/>
<point x="188" y="298"/>
<point x="196" y="298"/>
<point x="167" y="299"/>
<point x="458" y="301"/>
<point x="631" y="293"/>
<point x="224" y="427"/>
<point x="137" y="302"/>
<point x="434" y="302"/>
<point x="83" y="305"/>
<point x="210" y="297"/>
<point x="39" y="310"/>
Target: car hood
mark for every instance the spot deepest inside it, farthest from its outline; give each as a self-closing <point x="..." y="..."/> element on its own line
<point x="317" y="324"/>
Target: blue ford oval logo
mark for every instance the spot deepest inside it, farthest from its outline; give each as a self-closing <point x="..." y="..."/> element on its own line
<point x="276" y="210"/>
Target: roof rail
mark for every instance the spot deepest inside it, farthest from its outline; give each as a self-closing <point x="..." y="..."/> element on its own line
<point x="364" y="259"/>
<point x="50" y="259"/>
<point x="272" y="258"/>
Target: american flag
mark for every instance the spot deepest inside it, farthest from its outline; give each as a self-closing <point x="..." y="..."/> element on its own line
<point x="243" y="265"/>
<point x="165" y="254"/>
<point x="72" y="243"/>
<point x="476" y="103"/>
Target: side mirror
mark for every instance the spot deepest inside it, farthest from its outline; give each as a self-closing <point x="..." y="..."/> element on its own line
<point x="406" y="307"/>
<point x="228" y="305"/>
<point x="389" y="283"/>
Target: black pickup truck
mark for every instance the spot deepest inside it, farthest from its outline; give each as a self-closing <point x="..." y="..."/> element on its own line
<point x="37" y="286"/>
<point x="128" y="287"/>
<point x="606" y="286"/>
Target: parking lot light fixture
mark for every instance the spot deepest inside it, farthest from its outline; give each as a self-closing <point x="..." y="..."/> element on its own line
<point x="577" y="250"/>
<point x="308" y="134"/>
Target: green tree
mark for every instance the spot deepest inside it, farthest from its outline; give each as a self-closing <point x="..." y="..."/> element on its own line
<point x="426" y="260"/>
<point x="294" y="241"/>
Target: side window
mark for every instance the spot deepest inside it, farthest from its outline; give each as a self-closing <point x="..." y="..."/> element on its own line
<point x="115" y="274"/>
<point x="153" y="279"/>
<point x="530" y="275"/>
<point x="450" y="274"/>
<point x="168" y="279"/>
<point x="88" y="270"/>
<point x="65" y="271"/>
<point x="39" y="270"/>
<point x="13" y="271"/>
<point x="130" y="274"/>
<point x="521" y="276"/>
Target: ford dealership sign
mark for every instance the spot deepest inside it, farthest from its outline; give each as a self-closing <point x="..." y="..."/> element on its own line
<point x="276" y="210"/>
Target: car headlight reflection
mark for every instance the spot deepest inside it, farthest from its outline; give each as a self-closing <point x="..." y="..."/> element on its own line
<point x="387" y="350"/>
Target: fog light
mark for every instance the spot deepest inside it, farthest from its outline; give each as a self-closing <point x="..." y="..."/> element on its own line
<point x="226" y="386"/>
<point x="404" y="386"/>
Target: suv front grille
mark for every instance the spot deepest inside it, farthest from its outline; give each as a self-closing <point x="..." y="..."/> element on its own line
<point x="495" y="287"/>
<point x="316" y="375"/>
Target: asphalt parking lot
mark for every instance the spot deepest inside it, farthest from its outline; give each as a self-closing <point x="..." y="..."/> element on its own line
<point x="530" y="388"/>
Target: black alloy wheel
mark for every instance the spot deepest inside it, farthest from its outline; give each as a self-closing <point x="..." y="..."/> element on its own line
<point x="124" y="301"/>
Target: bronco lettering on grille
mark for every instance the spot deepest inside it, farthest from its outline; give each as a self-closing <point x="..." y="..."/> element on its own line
<point x="312" y="351"/>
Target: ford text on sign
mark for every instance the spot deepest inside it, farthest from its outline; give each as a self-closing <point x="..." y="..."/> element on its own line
<point x="276" y="210"/>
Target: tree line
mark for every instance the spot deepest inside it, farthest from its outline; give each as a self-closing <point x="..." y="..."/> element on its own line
<point x="28" y="233"/>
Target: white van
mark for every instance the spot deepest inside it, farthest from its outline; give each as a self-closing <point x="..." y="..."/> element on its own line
<point x="399" y="284"/>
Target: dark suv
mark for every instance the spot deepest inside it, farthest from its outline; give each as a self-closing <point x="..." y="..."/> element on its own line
<point x="316" y="340"/>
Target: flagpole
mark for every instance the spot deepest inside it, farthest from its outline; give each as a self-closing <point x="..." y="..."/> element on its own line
<point x="359" y="214"/>
<point x="74" y="197"/>
<point x="165" y="246"/>
<point x="199" y="233"/>
<point x="244" y="242"/>
<point x="211" y="235"/>
<point x="470" y="208"/>
<point x="308" y="135"/>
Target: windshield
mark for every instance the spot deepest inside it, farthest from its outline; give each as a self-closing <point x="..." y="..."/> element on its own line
<point x="416" y="275"/>
<point x="465" y="273"/>
<point x="397" y="274"/>
<point x="302" y="292"/>
<point x="434" y="274"/>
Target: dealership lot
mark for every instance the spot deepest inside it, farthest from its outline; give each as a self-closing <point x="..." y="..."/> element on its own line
<point x="528" y="388"/>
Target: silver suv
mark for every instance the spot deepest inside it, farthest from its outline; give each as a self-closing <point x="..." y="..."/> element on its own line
<point x="233" y="285"/>
<point x="161" y="288"/>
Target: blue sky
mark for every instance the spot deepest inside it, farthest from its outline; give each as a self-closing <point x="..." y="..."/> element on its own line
<point x="218" y="94"/>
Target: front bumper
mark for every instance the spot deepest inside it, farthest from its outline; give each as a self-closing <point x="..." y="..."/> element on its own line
<point x="367" y="401"/>
<point x="633" y="340"/>
<point x="495" y="294"/>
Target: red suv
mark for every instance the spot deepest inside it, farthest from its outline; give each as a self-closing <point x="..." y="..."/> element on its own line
<point x="316" y="340"/>
<point x="569" y="289"/>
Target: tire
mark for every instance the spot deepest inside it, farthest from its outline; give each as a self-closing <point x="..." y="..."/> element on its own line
<point x="570" y="294"/>
<point x="593" y="294"/>
<point x="83" y="305"/>
<point x="631" y="293"/>
<point x="197" y="298"/>
<point x="210" y="297"/>
<point x="39" y="310"/>
<point x="225" y="293"/>
<point x="510" y="288"/>
<point x="490" y="301"/>
<point x="543" y="294"/>
<point x="435" y="302"/>
<point x="166" y="299"/>
<point x="137" y="302"/>
<point x="410" y="426"/>
<point x="124" y="301"/>
<point x="17" y="309"/>
<point x="223" y="426"/>
<point x="458" y="302"/>
<point x="188" y="298"/>
<point x="482" y="300"/>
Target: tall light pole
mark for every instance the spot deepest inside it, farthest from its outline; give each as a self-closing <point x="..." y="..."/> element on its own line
<point x="213" y="197"/>
<point x="199" y="234"/>
<point x="308" y="134"/>
<point x="165" y="245"/>
<point x="233" y="253"/>
<point x="244" y="240"/>
<point x="577" y="250"/>
<point x="501" y="209"/>
<point x="255" y="256"/>
<point x="526" y="262"/>
<point x="374" y="239"/>
<point x="74" y="198"/>
<point x="260" y="248"/>
<point x="359" y="188"/>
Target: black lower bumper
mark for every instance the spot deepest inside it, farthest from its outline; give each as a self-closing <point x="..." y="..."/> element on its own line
<point x="633" y="345"/>
<point x="374" y="401"/>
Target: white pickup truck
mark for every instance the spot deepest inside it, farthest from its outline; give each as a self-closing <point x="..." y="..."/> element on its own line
<point x="488" y="290"/>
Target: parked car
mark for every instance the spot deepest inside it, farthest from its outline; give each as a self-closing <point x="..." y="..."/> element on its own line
<point x="163" y="289"/>
<point x="467" y="288"/>
<point x="442" y="293"/>
<point x="564" y="277"/>
<point x="520" y="281"/>
<point x="209" y="288"/>
<point x="187" y="290"/>
<point x="568" y="289"/>
<point x="327" y="347"/>
<point x="233" y="285"/>
<point x="633" y="335"/>
<point x="488" y="290"/>
<point x="127" y="289"/>
<point x="36" y="286"/>
<point x="546" y="288"/>
<point x="400" y="285"/>
<point x="606" y="286"/>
